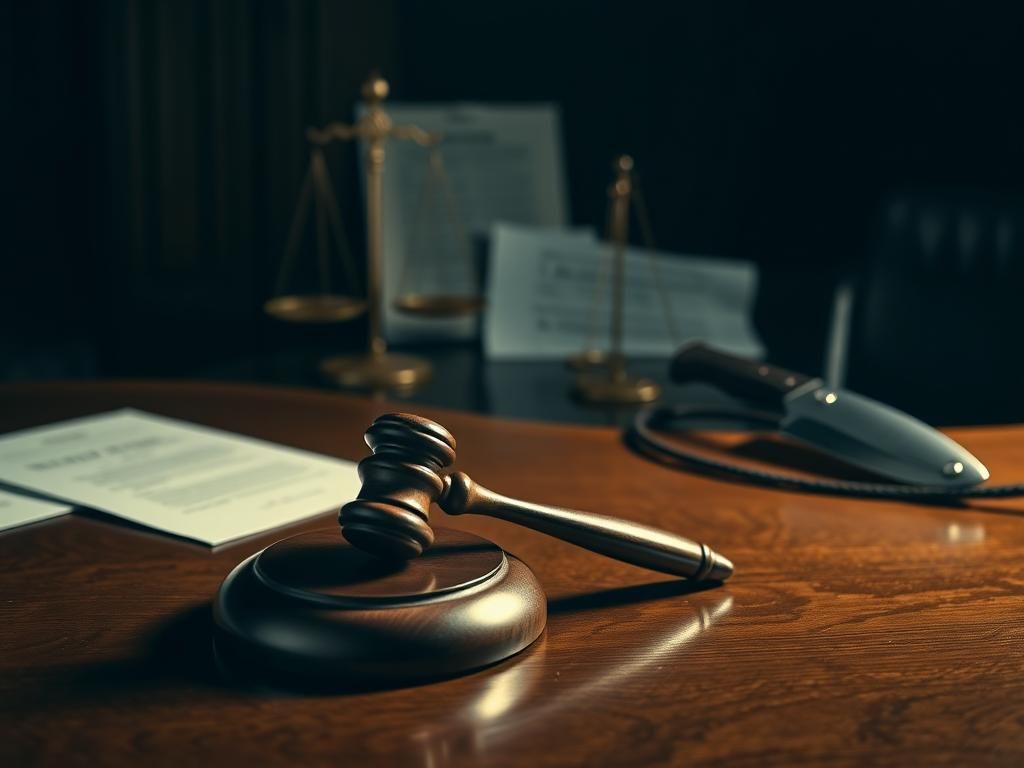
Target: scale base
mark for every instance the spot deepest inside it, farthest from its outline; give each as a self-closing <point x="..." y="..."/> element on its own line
<point x="591" y="358"/>
<point x="377" y="372"/>
<point x="615" y="390"/>
<point x="312" y="611"/>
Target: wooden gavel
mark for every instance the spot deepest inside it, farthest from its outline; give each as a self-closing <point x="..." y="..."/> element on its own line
<point x="403" y="477"/>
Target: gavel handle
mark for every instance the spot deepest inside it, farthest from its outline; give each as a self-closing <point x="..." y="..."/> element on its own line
<point x="620" y="539"/>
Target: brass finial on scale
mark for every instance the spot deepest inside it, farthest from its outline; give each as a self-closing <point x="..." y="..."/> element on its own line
<point x="611" y="383"/>
<point x="378" y="369"/>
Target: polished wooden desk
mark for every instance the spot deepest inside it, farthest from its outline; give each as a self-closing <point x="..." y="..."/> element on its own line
<point x="854" y="632"/>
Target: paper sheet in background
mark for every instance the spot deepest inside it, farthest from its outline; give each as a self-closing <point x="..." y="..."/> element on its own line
<point x="192" y="481"/>
<point x="16" y="510"/>
<point x="542" y="286"/>
<point x="504" y="164"/>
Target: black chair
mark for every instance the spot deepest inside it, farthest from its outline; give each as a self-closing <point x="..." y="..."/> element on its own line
<point x="932" y="323"/>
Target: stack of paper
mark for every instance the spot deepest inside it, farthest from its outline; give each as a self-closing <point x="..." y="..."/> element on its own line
<point x="185" y="479"/>
<point x="549" y="294"/>
<point x="18" y="509"/>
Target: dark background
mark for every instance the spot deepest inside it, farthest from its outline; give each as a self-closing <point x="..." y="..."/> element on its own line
<point x="153" y="151"/>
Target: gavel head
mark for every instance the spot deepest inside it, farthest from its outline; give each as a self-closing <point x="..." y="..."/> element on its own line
<point x="401" y="479"/>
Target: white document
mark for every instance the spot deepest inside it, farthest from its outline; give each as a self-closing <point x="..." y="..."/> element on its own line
<point x="174" y="476"/>
<point x="550" y="296"/>
<point x="18" y="510"/>
<point x="503" y="162"/>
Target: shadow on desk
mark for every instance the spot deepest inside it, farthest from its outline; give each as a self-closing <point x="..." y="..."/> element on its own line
<point x="176" y="655"/>
<point x="178" y="658"/>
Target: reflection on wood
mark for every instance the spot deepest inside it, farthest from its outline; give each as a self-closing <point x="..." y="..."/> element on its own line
<point x="858" y="632"/>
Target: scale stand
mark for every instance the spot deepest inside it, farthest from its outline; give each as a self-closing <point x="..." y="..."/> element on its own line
<point x="378" y="369"/>
<point x="604" y="378"/>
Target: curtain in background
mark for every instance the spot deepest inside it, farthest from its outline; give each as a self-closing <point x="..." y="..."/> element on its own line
<point x="159" y="149"/>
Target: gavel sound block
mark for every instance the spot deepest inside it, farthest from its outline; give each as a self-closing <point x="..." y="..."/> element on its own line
<point x="393" y="601"/>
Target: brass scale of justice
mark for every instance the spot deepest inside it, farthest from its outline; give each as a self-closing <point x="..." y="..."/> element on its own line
<point x="602" y="377"/>
<point x="378" y="369"/>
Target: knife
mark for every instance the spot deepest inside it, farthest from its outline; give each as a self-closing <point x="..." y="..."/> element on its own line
<point x="850" y="427"/>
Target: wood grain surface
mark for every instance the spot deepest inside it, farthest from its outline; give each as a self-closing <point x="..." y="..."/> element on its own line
<point x="853" y="632"/>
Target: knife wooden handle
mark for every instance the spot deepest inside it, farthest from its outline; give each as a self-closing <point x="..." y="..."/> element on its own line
<point x="757" y="383"/>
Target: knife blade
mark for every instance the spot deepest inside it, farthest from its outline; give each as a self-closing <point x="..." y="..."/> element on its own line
<point x="847" y="426"/>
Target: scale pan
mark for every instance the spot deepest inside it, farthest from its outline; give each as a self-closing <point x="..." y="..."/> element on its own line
<point x="438" y="306"/>
<point x="315" y="308"/>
